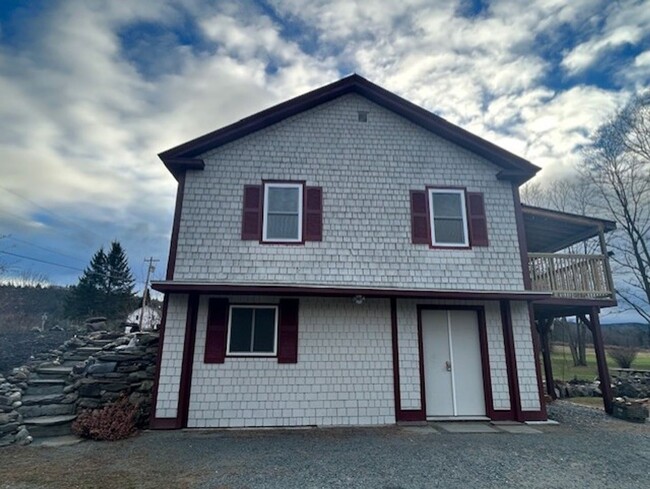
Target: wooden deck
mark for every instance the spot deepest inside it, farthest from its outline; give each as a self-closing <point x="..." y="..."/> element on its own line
<point x="571" y="276"/>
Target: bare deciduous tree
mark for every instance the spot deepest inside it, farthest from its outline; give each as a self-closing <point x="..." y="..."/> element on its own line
<point x="617" y="164"/>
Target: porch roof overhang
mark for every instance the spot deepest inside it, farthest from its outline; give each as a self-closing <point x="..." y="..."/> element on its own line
<point x="186" y="287"/>
<point x="548" y="231"/>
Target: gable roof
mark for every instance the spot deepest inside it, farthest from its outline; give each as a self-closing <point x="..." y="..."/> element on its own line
<point x="183" y="157"/>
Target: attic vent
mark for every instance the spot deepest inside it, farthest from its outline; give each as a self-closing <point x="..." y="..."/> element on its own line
<point x="363" y="116"/>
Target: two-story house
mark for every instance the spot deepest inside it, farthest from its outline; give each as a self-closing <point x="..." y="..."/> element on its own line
<point x="349" y="258"/>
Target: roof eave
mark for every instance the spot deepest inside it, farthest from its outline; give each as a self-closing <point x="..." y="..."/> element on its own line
<point x="177" y="166"/>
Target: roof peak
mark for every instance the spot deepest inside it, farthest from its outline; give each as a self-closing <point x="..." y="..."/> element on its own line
<point x="183" y="157"/>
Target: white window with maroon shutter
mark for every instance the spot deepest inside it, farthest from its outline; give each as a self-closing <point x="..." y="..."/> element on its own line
<point x="283" y="212"/>
<point x="448" y="217"/>
<point x="252" y="331"/>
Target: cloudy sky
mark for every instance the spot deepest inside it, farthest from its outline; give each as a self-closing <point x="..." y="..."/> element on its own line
<point x="91" y="91"/>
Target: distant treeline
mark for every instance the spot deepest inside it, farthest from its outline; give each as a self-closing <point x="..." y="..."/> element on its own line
<point x="23" y="308"/>
<point x="620" y="334"/>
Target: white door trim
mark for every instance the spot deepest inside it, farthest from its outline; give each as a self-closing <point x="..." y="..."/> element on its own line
<point x="483" y="376"/>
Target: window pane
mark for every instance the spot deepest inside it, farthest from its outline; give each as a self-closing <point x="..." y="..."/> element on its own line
<point x="449" y="231"/>
<point x="283" y="199"/>
<point x="446" y="205"/>
<point x="281" y="226"/>
<point x="241" y="330"/>
<point x="264" y="330"/>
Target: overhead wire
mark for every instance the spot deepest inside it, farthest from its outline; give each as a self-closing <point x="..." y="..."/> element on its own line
<point x="56" y="216"/>
<point x="17" y="255"/>
<point x="51" y="250"/>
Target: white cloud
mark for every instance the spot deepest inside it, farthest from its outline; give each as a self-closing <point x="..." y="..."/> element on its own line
<point x="624" y="23"/>
<point x="81" y="122"/>
<point x="587" y="53"/>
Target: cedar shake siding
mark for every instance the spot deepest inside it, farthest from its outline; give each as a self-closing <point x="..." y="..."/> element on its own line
<point x="365" y="173"/>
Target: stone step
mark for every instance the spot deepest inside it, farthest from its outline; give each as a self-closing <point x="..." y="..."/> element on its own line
<point x="32" y="400"/>
<point x="57" y="441"/>
<point x="45" y="386"/>
<point x="46" y="410"/>
<point x="71" y="363"/>
<point x="88" y="349"/>
<point x="100" y="343"/>
<point x="49" y="426"/>
<point x="56" y="371"/>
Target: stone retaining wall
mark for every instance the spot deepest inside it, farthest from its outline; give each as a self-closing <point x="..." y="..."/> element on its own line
<point x="105" y="365"/>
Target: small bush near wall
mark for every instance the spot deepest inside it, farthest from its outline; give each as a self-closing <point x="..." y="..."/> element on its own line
<point x="115" y="421"/>
<point x="623" y="356"/>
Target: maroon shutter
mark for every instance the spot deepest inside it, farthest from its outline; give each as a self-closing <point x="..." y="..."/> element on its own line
<point x="215" y="337"/>
<point x="419" y="217"/>
<point x="313" y="214"/>
<point x="288" y="331"/>
<point x="252" y="216"/>
<point x="477" y="219"/>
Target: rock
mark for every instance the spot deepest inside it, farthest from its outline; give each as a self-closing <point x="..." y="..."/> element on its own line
<point x="15" y="396"/>
<point x="7" y="440"/>
<point x="145" y="339"/>
<point x="116" y="387"/>
<point x="71" y="388"/>
<point x="146" y="386"/>
<point x="90" y="389"/>
<point x="88" y="403"/>
<point x="8" y="417"/>
<point x="101" y="368"/>
<point x="9" y="428"/>
<point x="122" y="356"/>
<point x="99" y="326"/>
<point x="140" y="375"/>
<point x="110" y="397"/>
<point x="129" y="367"/>
<point x="22" y="437"/>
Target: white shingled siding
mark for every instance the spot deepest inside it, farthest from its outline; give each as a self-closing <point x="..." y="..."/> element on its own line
<point x="344" y="374"/>
<point x="172" y="357"/>
<point x="409" y="364"/>
<point x="524" y="352"/>
<point x="366" y="171"/>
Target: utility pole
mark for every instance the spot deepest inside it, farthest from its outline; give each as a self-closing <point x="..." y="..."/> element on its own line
<point x="150" y="269"/>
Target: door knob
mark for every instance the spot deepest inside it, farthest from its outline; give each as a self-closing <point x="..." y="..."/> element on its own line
<point x="448" y="366"/>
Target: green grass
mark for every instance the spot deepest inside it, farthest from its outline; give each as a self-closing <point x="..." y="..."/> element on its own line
<point x="563" y="368"/>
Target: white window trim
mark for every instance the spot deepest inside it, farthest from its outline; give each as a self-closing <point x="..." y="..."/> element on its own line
<point x="299" y="186"/>
<point x="252" y="354"/>
<point x="460" y="192"/>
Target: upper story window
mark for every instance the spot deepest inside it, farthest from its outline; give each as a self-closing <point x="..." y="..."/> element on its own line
<point x="283" y="207"/>
<point x="448" y="217"/>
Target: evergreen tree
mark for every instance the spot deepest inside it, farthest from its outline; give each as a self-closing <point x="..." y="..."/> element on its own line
<point x="119" y="281"/>
<point x="105" y="288"/>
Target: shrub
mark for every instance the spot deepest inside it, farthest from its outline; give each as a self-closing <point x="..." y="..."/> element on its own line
<point x="115" y="421"/>
<point x="623" y="356"/>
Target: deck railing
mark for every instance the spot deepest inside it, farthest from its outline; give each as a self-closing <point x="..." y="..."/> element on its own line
<point x="571" y="276"/>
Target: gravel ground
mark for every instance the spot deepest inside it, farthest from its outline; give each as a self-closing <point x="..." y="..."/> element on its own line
<point x="588" y="449"/>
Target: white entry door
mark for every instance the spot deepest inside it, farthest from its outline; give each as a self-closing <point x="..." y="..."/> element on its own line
<point x="453" y="376"/>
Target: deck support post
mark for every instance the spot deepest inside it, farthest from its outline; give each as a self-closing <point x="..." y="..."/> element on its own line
<point x="543" y="327"/>
<point x="608" y="268"/>
<point x="599" y="347"/>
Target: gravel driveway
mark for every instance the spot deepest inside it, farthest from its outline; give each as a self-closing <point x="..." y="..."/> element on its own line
<point x="587" y="449"/>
